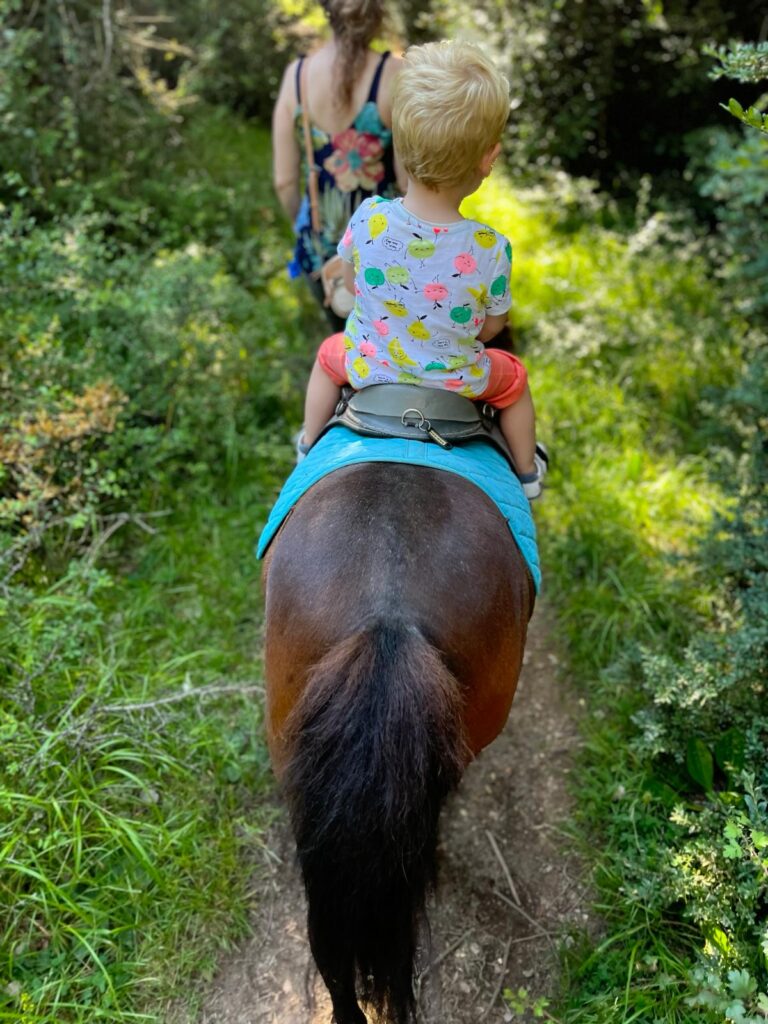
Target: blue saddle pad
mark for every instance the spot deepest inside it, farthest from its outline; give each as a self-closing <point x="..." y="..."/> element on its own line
<point x="476" y="461"/>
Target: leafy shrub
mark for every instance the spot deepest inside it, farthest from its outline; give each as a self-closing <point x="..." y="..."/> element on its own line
<point x="735" y="178"/>
<point x="119" y="368"/>
<point x="601" y="89"/>
<point x="78" y="100"/>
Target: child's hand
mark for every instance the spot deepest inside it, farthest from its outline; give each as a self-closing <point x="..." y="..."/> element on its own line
<point x="492" y="326"/>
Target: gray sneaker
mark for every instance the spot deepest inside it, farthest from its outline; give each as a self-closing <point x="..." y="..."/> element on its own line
<point x="532" y="481"/>
<point x="301" y="447"/>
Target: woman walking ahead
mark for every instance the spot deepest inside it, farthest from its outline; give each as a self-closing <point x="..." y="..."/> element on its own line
<point x="345" y="88"/>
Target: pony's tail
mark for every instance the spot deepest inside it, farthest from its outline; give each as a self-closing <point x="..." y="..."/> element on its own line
<point x="376" y="745"/>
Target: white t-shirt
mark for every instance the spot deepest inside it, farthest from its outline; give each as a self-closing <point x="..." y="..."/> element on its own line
<point x="423" y="293"/>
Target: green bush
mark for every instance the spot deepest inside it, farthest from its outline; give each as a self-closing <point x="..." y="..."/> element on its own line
<point x="602" y="88"/>
<point x="735" y="178"/>
<point x="77" y="100"/>
<point x="120" y="369"/>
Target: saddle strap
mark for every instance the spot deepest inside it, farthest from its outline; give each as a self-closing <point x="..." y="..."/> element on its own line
<point x="417" y="414"/>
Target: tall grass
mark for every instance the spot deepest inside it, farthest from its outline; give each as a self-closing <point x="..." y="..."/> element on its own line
<point x="135" y="779"/>
<point x="636" y="358"/>
<point x="134" y="784"/>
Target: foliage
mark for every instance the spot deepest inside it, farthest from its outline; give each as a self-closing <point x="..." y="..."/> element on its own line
<point x="103" y="360"/>
<point x="655" y="558"/>
<point x="105" y="356"/>
<point x="751" y="116"/>
<point x="147" y="346"/>
<point x="242" y="46"/>
<point x="737" y="182"/>
<point x="126" y="834"/>
<point x="93" y="96"/>
<point x="745" y="62"/>
<point x="78" y="98"/>
<point x="601" y="88"/>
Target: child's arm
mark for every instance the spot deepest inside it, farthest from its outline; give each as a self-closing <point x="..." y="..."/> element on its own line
<point x="349" y="276"/>
<point x="492" y="326"/>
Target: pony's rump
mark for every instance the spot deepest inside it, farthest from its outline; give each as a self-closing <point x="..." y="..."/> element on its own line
<point x="375" y="745"/>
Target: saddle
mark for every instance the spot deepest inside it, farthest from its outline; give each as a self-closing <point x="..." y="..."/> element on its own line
<point x="418" y="414"/>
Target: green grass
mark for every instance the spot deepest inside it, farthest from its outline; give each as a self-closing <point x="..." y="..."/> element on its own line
<point x="128" y="838"/>
<point x="630" y="346"/>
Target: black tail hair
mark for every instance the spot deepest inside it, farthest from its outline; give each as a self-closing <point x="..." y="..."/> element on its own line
<point x="376" y="744"/>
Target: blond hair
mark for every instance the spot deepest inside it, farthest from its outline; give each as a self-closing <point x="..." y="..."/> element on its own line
<point x="449" y="107"/>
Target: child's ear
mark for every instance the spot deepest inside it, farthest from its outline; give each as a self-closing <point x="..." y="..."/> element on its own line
<point x="489" y="159"/>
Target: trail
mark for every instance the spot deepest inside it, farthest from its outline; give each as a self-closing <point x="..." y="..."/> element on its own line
<point x="507" y="891"/>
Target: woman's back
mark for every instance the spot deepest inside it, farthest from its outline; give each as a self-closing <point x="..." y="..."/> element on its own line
<point x="347" y="87"/>
<point x="328" y="111"/>
<point x="351" y="148"/>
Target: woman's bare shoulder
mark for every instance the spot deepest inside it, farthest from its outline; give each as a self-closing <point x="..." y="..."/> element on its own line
<point x="287" y="92"/>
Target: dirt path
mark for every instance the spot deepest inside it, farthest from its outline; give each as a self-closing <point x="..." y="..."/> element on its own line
<point x="500" y="846"/>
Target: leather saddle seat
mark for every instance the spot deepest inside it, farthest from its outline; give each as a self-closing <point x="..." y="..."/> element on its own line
<point x="431" y="415"/>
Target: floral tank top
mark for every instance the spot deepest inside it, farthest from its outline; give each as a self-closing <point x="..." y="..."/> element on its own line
<point x="352" y="165"/>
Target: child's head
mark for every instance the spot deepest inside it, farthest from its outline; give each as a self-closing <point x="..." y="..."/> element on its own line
<point x="449" y="108"/>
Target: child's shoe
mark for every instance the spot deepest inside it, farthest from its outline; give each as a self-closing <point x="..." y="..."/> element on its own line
<point x="532" y="481"/>
<point x="301" y="446"/>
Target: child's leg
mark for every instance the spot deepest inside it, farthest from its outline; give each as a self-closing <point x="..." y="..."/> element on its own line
<point x="328" y="377"/>
<point x="322" y="397"/>
<point x="518" y="425"/>
<point x="508" y="391"/>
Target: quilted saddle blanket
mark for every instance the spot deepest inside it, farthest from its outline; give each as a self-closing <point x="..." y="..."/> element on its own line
<point x="476" y="461"/>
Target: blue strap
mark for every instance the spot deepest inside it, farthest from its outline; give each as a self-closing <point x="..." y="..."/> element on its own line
<point x="374" y="90"/>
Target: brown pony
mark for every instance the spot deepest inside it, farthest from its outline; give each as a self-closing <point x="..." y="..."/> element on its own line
<point x="397" y="604"/>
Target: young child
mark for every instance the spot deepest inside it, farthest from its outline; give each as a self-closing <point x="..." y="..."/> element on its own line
<point x="431" y="285"/>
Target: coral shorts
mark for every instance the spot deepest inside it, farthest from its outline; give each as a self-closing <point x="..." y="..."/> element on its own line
<point x="506" y="383"/>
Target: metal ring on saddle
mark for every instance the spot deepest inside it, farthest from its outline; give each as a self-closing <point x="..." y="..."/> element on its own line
<point x="421" y="424"/>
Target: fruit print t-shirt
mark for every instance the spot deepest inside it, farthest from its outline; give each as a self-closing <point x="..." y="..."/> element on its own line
<point x="423" y="293"/>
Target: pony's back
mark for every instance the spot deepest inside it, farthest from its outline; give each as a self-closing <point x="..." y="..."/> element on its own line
<point x="397" y="606"/>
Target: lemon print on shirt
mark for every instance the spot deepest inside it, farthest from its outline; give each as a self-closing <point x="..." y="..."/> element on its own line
<point x="356" y="259"/>
<point x="481" y="294"/>
<point x="485" y="238"/>
<point x="395" y="307"/>
<point x="476" y="371"/>
<point x="361" y="368"/>
<point x="457" y="362"/>
<point x="399" y="356"/>
<point x="418" y="330"/>
<point x="348" y="343"/>
<point x="377" y="223"/>
<point x="408" y="378"/>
